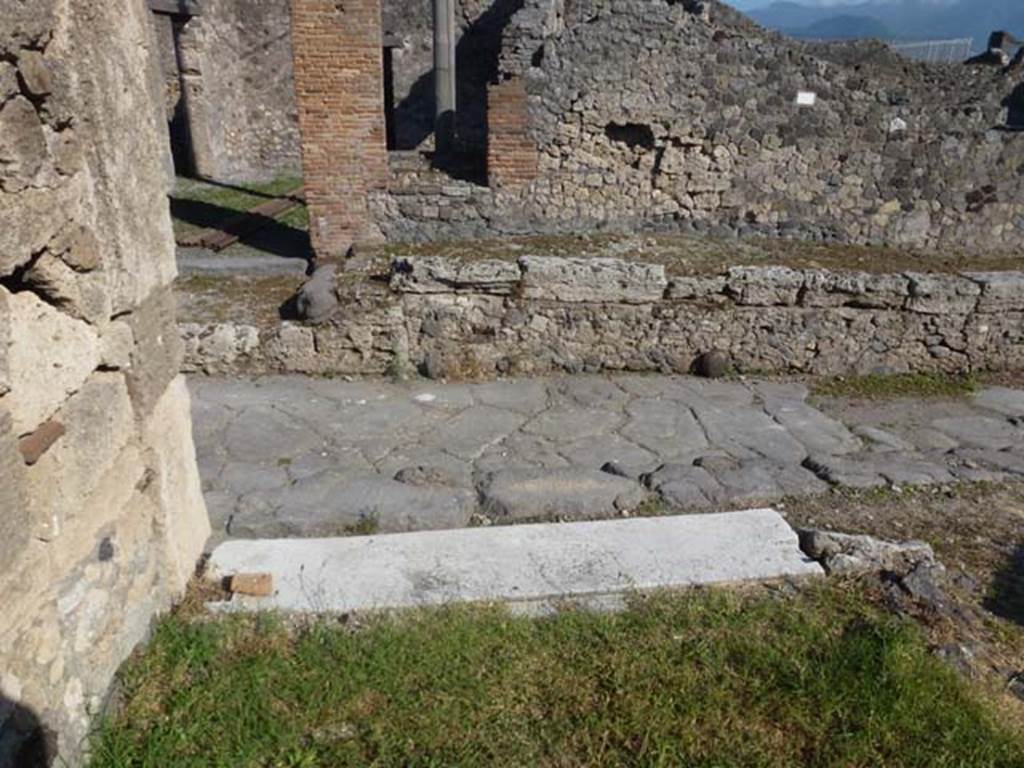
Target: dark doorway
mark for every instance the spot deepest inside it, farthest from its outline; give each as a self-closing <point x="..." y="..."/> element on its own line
<point x="389" y="97"/>
<point x="181" y="136"/>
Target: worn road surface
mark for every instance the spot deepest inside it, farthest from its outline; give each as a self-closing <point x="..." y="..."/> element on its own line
<point x="298" y="456"/>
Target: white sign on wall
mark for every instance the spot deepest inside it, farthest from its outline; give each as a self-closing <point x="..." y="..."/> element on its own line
<point x="806" y="98"/>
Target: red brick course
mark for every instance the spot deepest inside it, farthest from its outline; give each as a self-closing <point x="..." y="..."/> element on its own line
<point x="339" y="82"/>
<point x="512" y="157"/>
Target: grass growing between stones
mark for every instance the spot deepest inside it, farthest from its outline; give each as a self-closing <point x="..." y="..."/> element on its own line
<point x="707" y="678"/>
<point x="879" y="386"/>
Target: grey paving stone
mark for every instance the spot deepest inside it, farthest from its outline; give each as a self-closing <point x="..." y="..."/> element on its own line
<point x="589" y="391"/>
<point x="459" y="470"/>
<point x="561" y="494"/>
<point x="241" y="479"/>
<point x="980" y="432"/>
<point x="266" y="435"/>
<point x="1004" y="461"/>
<point x="748" y="433"/>
<point x="1009" y="402"/>
<point x="929" y="439"/>
<point x="595" y="452"/>
<point x="567" y="423"/>
<point x="320" y="459"/>
<point x="759" y="480"/>
<point x="814" y="430"/>
<point x="667" y="428"/>
<point x="521" y="451"/>
<point x="684" y="486"/>
<point x="882" y="440"/>
<point x="470" y="432"/>
<point x="527" y="397"/>
<point x="335" y="504"/>
<point x="872" y="470"/>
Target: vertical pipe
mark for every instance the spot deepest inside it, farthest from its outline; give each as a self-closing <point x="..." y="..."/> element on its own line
<point x="444" y="74"/>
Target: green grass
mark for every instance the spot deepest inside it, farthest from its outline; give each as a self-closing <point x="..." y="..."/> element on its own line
<point x="704" y="679"/>
<point x="230" y="200"/>
<point x="878" y="386"/>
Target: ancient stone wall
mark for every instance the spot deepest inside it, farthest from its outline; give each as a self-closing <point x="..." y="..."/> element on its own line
<point x="539" y="315"/>
<point x="648" y="114"/>
<point x="101" y="516"/>
<point x="236" y="59"/>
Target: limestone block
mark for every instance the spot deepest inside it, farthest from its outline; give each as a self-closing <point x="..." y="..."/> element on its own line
<point x="765" y="286"/>
<point x="216" y="347"/>
<point x="157" y="355"/>
<point x="701" y="288"/>
<point x="824" y="288"/>
<point x="78" y="247"/>
<point x="935" y="294"/>
<point x="49" y="356"/>
<point x="22" y="144"/>
<point x="1000" y="291"/>
<point x="116" y="345"/>
<point x="5" y="342"/>
<point x="848" y="553"/>
<point x="26" y="228"/>
<point x="434" y="274"/>
<point x="168" y="434"/>
<point x="8" y="81"/>
<point x="293" y="346"/>
<point x="98" y="420"/>
<point x="35" y="73"/>
<point x="592" y="280"/>
<point x="14" y="519"/>
<point x="80" y="295"/>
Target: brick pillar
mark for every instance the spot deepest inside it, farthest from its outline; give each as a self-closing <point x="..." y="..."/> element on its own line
<point x="512" y="157"/>
<point x="339" y="81"/>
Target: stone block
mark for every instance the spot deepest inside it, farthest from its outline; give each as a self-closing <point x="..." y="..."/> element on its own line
<point x="214" y="348"/>
<point x="15" y="521"/>
<point x="35" y="73"/>
<point x="532" y="564"/>
<point x="22" y="144"/>
<point x="1000" y="291"/>
<point x="335" y="503"/>
<point x="157" y="355"/>
<point x="116" y="345"/>
<point x="697" y="288"/>
<point x="863" y="290"/>
<point x="434" y="274"/>
<point x="842" y="553"/>
<point x="27" y="228"/>
<point x="83" y="296"/>
<point x="49" y="355"/>
<point x="167" y="432"/>
<point x="98" y="420"/>
<point x="876" y="469"/>
<point x="562" y="494"/>
<point x="597" y="280"/>
<point x="764" y="286"/>
<point x="935" y="294"/>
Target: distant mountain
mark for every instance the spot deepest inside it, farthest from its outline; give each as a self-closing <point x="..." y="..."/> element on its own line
<point x="847" y="27"/>
<point x="895" y="19"/>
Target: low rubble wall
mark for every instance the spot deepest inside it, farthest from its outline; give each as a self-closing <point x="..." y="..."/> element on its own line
<point x="465" y="319"/>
